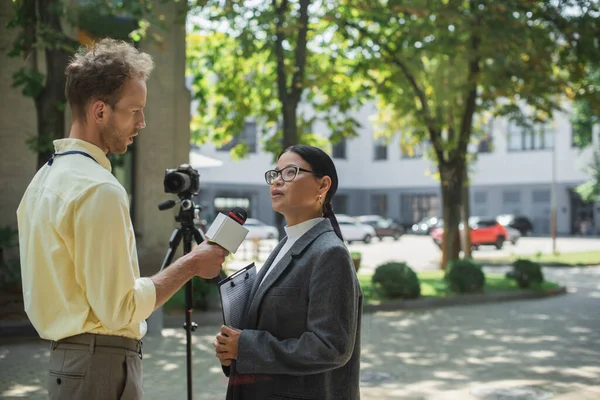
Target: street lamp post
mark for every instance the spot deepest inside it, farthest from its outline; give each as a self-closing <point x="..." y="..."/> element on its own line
<point x="553" y="189"/>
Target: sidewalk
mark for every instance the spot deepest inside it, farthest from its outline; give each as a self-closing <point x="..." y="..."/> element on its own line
<point x="547" y="346"/>
<point x="404" y="357"/>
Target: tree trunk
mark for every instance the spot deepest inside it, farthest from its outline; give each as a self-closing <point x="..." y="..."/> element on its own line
<point x="290" y="124"/>
<point x="452" y="181"/>
<point x="50" y="103"/>
<point x="289" y="98"/>
<point x="466" y="211"/>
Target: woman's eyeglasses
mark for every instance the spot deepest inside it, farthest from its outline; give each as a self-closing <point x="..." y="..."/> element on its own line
<point x="288" y="174"/>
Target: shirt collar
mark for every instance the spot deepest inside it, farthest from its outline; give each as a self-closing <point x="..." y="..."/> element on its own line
<point x="295" y="231"/>
<point x="62" y="145"/>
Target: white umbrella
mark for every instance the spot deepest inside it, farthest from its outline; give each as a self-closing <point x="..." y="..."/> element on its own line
<point x="198" y="160"/>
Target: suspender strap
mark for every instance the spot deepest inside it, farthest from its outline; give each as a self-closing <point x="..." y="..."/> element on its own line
<point x="70" y="152"/>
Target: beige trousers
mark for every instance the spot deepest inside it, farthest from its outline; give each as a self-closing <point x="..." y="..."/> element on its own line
<point x="95" y="367"/>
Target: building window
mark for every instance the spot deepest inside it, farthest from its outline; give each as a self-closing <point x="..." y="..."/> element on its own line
<point x="413" y="150"/>
<point x="340" y="204"/>
<point x="380" y="150"/>
<point x="511" y="202"/>
<point x="484" y="140"/>
<point x="338" y="150"/>
<point x="485" y="144"/>
<point x="480" y="197"/>
<point x="541" y="137"/>
<point x="227" y="203"/>
<point x="511" y="197"/>
<point x="542" y="196"/>
<point x="379" y="204"/>
<point x="248" y="136"/>
<point x="415" y="207"/>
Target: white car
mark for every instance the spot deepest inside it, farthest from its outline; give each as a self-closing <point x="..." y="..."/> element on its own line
<point x="260" y="230"/>
<point x="353" y="230"/>
<point x="513" y="234"/>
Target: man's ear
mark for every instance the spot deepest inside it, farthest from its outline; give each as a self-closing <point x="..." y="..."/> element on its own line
<point x="98" y="111"/>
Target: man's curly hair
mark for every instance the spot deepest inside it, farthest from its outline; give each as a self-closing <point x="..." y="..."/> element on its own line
<point x="99" y="72"/>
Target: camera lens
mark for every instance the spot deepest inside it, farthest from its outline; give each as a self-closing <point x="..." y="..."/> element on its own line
<point x="177" y="182"/>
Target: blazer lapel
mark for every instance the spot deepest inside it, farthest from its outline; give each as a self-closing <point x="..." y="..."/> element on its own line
<point x="260" y="276"/>
<point x="259" y="290"/>
<point x="266" y="266"/>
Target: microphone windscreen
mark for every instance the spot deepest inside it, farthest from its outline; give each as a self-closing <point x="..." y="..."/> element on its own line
<point x="239" y="215"/>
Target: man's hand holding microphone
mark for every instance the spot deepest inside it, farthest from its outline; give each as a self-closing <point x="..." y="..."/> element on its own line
<point x="225" y="235"/>
<point x="207" y="259"/>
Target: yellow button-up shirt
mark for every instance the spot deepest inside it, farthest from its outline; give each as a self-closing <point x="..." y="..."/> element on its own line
<point x="79" y="260"/>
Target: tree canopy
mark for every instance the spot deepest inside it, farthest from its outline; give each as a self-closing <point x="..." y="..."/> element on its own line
<point x="436" y="65"/>
<point x="265" y="61"/>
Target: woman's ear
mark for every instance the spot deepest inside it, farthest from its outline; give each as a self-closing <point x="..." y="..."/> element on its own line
<point x="325" y="185"/>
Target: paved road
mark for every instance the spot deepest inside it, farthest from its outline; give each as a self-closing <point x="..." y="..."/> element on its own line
<point x="542" y="346"/>
<point x="421" y="253"/>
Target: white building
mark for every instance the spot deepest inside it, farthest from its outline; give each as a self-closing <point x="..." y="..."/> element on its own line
<point x="515" y="177"/>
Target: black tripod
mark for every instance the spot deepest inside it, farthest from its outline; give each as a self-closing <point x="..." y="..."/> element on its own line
<point x="188" y="231"/>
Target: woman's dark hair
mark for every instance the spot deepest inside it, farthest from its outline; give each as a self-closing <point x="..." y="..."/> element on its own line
<point x="322" y="165"/>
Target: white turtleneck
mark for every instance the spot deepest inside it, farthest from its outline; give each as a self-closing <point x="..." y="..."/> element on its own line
<point x="293" y="233"/>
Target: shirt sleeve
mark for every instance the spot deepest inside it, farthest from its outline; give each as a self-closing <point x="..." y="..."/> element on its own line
<point x="106" y="259"/>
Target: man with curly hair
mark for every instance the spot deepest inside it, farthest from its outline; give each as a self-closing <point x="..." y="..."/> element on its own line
<point x="81" y="280"/>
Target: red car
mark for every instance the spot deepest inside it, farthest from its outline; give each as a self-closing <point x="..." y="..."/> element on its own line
<point x="484" y="231"/>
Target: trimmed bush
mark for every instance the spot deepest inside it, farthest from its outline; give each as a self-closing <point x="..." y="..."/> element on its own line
<point x="464" y="276"/>
<point x="396" y="280"/>
<point x="527" y="273"/>
<point x="356" y="258"/>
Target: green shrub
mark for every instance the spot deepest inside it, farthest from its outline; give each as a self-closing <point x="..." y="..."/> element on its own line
<point x="205" y="296"/>
<point x="464" y="276"/>
<point x="396" y="280"/>
<point x="10" y="267"/>
<point x="527" y="273"/>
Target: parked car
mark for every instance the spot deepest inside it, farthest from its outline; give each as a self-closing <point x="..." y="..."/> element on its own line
<point x="353" y="230"/>
<point x="512" y="234"/>
<point x="383" y="226"/>
<point x="424" y="226"/>
<point x="520" y="223"/>
<point x="260" y="230"/>
<point x="484" y="231"/>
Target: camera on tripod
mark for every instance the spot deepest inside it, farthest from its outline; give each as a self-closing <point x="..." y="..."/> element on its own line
<point x="183" y="181"/>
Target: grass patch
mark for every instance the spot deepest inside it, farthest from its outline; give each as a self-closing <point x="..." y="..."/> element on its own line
<point x="434" y="285"/>
<point x="585" y="258"/>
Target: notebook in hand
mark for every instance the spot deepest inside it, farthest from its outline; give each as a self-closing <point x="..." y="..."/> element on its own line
<point x="235" y="291"/>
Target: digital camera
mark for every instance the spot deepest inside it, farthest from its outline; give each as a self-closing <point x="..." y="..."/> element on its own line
<point x="183" y="181"/>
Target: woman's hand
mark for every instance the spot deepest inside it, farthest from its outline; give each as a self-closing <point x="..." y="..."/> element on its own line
<point x="226" y="345"/>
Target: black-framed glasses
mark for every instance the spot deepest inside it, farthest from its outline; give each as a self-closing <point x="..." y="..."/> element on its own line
<point x="288" y="174"/>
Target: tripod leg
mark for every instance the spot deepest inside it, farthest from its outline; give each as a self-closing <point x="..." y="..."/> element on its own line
<point x="173" y="243"/>
<point x="189" y="325"/>
<point x="198" y="235"/>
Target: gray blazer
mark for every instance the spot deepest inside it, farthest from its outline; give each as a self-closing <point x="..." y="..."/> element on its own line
<point x="301" y="337"/>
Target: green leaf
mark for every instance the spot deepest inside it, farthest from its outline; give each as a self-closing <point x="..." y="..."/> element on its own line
<point x="43" y="143"/>
<point x="30" y="80"/>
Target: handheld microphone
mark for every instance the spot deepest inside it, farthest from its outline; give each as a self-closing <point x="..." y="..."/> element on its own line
<point x="227" y="230"/>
